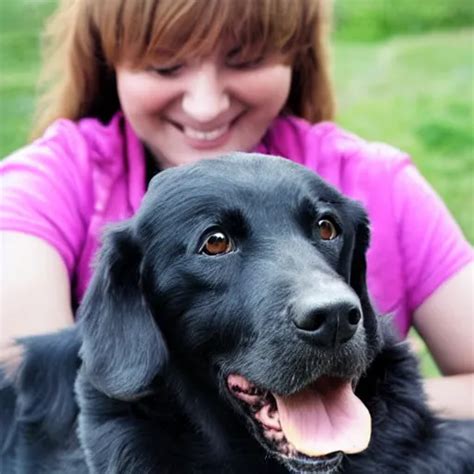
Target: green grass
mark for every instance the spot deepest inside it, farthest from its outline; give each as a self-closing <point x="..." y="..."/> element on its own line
<point x="20" y="23"/>
<point x="416" y="92"/>
<point x="375" y="20"/>
<point x="413" y="91"/>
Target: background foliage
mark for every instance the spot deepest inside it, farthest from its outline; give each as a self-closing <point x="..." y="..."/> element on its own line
<point x="371" y="20"/>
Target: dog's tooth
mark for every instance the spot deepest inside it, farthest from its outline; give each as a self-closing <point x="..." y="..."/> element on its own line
<point x="280" y="436"/>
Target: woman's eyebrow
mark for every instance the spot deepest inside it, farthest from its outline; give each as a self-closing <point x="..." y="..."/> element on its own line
<point x="164" y="52"/>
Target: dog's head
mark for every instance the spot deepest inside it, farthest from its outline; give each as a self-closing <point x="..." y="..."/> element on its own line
<point x="248" y="271"/>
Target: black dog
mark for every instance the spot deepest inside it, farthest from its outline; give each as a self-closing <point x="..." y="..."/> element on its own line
<point x="226" y="330"/>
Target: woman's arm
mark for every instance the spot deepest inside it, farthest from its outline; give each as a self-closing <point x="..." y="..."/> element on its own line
<point x="34" y="290"/>
<point x="445" y="321"/>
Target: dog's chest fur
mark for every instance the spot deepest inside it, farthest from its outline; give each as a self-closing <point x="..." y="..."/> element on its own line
<point x="170" y="440"/>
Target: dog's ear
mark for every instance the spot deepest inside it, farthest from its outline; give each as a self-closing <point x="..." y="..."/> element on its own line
<point x="352" y="263"/>
<point x="358" y="269"/>
<point x="358" y="277"/>
<point x="123" y="348"/>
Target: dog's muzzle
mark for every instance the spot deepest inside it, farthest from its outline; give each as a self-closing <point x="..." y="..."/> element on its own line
<point x="327" y="314"/>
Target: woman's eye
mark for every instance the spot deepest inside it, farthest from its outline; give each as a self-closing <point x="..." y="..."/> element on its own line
<point x="327" y="230"/>
<point x="236" y="60"/>
<point x="217" y="243"/>
<point x="167" y="71"/>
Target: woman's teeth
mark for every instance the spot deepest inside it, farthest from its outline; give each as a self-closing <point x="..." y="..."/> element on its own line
<point x="211" y="135"/>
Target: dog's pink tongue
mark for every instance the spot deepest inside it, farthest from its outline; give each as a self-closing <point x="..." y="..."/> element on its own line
<point x="325" y="418"/>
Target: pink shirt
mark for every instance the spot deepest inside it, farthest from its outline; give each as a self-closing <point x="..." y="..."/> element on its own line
<point x="80" y="176"/>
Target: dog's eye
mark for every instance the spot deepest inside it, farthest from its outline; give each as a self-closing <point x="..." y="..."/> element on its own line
<point x="217" y="243"/>
<point x="327" y="230"/>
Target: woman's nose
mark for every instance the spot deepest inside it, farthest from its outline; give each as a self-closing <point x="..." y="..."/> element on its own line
<point x="205" y="97"/>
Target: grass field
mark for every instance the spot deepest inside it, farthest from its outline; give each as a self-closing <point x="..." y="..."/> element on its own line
<point x="416" y="92"/>
<point x="413" y="91"/>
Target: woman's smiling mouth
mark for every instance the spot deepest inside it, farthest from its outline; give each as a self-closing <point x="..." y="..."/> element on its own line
<point x="205" y="136"/>
<point x="201" y="139"/>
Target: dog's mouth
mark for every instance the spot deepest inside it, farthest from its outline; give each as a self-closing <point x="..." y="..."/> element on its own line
<point x="310" y="429"/>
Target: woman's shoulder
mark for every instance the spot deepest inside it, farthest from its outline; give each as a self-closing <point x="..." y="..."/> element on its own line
<point x="327" y="145"/>
<point x="71" y="144"/>
<point x="359" y="168"/>
<point x="67" y="184"/>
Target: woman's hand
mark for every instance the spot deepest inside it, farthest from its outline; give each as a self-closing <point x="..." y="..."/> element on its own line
<point x="34" y="290"/>
<point x="445" y="321"/>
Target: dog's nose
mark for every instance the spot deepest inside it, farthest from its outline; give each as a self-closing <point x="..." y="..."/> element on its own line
<point x="329" y="324"/>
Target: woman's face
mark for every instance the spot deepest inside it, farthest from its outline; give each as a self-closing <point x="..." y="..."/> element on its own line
<point x="203" y="107"/>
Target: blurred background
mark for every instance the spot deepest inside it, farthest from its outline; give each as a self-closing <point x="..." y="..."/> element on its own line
<point x="403" y="71"/>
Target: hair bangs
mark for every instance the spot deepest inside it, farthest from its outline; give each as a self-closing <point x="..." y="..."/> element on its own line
<point x="180" y="29"/>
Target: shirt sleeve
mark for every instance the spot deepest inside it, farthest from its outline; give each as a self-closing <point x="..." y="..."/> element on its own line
<point x="46" y="190"/>
<point x="433" y="246"/>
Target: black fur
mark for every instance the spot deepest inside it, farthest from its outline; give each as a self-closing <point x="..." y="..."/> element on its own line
<point x="163" y="325"/>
